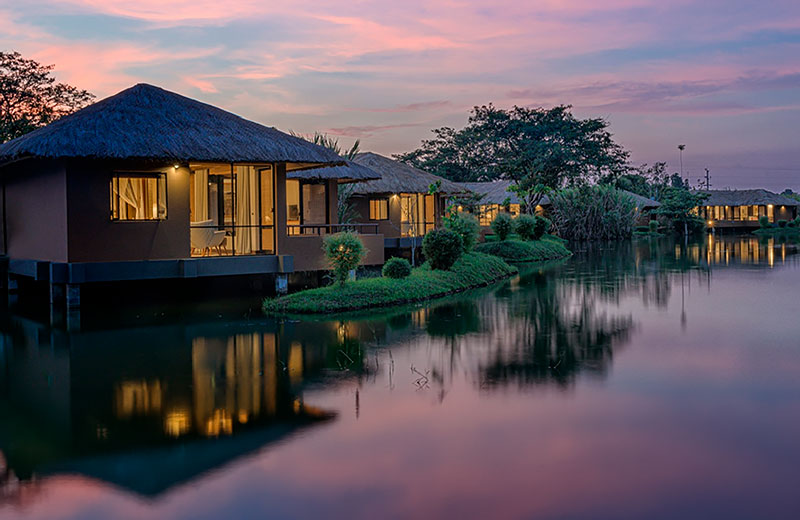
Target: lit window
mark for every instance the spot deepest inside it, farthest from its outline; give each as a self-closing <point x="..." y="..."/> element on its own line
<point x="136" y="196"/>
<point x="378" y="209"/>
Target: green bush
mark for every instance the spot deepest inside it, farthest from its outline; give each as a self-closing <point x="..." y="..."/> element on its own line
<point x="763" y="221"/>
<point x="793" y="223"/>
<point x="525" y="226"/>
<point x="442" y="247"/>
<point x="519" y="251"/>
<point x="653" y="224"/>
<point x="543" y="225"/>
<point x="782" y="223"/>
<point x="466" y="226"/>
<point x="396" y="268"/>
<point x="344" y="251"/>
<point x="593" y="212"/>
<point x="501" y="225"/>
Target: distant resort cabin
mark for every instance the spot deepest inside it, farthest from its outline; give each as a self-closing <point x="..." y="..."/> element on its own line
<point x="741" y="209"/>
<point x="148" y="184"/>
<point x="405" y="203"/>
<point x="497" y="197"/>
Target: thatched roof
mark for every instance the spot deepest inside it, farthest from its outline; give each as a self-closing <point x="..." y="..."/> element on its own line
<point x="350" y="171"/>
<point x="746" y="198"/>
<point x="497" y="192"/>
<point x="147" y="122"/>
<point x="397" y="177"/>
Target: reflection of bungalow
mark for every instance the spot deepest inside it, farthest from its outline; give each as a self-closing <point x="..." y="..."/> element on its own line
<point x="149" y="184"/>
<point x="742" y="208"/>
<point x="496" y="197"/>
<point x="399" y="202"/>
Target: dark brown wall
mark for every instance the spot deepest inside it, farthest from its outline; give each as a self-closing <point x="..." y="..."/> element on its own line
<point x="36" y="210"/>
<point x="93" y="236"/>
<point x="785" y="212"/>
<point x="390" y="228"/>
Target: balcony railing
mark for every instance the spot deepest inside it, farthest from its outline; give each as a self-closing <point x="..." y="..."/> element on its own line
<point x="329" y="229"/>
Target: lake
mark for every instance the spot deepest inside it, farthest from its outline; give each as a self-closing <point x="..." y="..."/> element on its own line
<point x="646" y="379"/>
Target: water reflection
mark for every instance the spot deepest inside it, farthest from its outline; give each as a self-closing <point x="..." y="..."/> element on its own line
<point x="152" y="407"/>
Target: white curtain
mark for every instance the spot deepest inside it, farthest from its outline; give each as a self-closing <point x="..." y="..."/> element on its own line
<point x="246" y="210"/>
<point x="200" y="195"/>
<point x="131" y="192"/>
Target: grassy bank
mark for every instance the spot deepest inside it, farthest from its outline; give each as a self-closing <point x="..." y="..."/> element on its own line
<point x="777" y="231"/>
<point x="519" y="251"/>
<point x="470" y="271"/>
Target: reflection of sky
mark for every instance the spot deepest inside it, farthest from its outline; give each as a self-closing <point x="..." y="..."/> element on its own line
<point x="694" y="422"/>
<point x="719" y="76"/>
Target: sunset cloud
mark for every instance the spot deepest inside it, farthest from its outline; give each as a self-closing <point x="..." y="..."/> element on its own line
<point x="389" y="72"/>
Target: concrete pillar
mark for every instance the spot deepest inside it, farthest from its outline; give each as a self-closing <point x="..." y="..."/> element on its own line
<point x="281" y="283"/>
<point x="73" y="296"/>
<point x="12" y="288"/>
<point x="57" y="293"/>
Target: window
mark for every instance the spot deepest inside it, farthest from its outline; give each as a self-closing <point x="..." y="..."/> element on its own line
<point x="139" y="196"/>
<point x="378" y="209"/>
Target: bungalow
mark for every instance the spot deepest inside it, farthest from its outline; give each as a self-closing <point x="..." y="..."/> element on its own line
<point x="148" y="184"/>
<point x="497" y="197"/>
<point x="400" y="203"/>
<point x="743" y="208"/>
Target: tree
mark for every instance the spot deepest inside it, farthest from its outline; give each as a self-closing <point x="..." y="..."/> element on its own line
<point x="31" y="98"/>
<point x="679" y="203"/>
<point x="537" y="149"/>
<point x="645" y="180"/>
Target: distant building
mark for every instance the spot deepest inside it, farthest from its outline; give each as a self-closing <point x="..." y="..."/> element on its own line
<point x="743" y="208"/>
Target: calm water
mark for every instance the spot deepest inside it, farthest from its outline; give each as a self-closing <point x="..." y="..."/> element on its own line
<point x="644" y="380"/>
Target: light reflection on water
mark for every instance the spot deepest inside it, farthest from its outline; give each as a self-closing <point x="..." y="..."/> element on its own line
<point x="648" y="378"/>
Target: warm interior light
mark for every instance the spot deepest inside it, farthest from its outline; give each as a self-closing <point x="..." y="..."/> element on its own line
<point x="710" y="222"/>
<point x="176" y="166"/>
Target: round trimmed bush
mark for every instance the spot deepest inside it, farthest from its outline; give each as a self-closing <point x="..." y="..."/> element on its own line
<point x="782" y="223"/>
<point x="396" y="268"/>
<point x="763" y="221"/>
<point x="501" y="225"/>
<point x="653" y="226"/>
<point x="525" y="226"/>
<point x="466" y="226"/>
<point x="442" y="248"/>
<point x="344" y="252"/>
<point x="542" y="227"/>
<point x="792" y="223"/>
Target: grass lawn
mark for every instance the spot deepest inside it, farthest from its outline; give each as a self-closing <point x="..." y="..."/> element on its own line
<point x="470" y="271"/>
<point x="548" y="248"/>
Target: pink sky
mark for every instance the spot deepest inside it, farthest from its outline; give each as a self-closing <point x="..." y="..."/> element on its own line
<point x="719" y="76"/>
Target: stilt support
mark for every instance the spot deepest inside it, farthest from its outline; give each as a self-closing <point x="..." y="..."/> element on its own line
<point x="281" y="284"/>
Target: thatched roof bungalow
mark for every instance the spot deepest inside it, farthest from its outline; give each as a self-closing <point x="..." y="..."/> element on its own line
<point x="743" y="208"/>
<point x="497" y="197"/>
<point x="150" y="175"/>
<point x="400" y="202"/>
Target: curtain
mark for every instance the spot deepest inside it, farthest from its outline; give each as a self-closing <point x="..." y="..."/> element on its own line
<point x="132" y="194"/>
<point x="246" y="210"/>
<point x="200" y="195"/>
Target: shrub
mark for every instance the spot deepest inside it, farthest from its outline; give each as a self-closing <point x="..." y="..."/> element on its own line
<point x="793" y="223"/>
<point x="782" y="223"/>
<point x="525" y="226"/>
<point x="593" y="212"/>
<point x="543" y="225"/>
<point x="396" y="268"/>
<point x="653" y="224"/>
<point x="501" y="225"/>
<point x="642" y="229"/>
<point x="466" y="226"/>
<point x="763" y="221"/>
<point x="518" y="251"/>
<point x="344" y="252"/>
<point x="442" y="247"/>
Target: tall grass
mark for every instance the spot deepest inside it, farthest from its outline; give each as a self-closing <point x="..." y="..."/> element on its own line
<point x="593" y="213"/>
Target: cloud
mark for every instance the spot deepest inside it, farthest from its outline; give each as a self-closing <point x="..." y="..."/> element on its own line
<point x="367" y="130"/>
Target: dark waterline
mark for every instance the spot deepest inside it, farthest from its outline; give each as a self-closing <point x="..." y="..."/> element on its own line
<point x="648" y="379"/>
